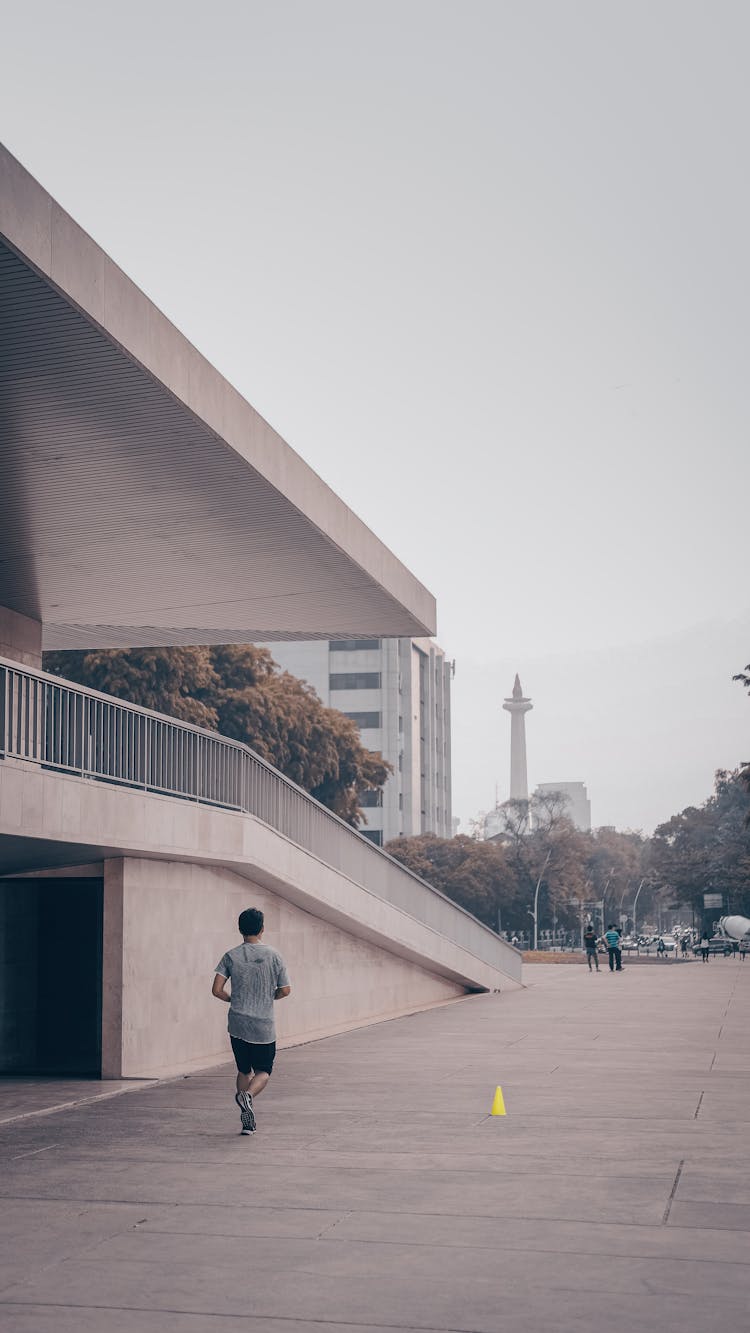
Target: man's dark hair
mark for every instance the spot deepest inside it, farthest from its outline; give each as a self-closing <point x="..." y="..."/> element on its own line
<point x="251" y="921"/>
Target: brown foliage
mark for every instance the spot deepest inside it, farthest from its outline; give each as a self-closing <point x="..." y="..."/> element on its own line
<point x="239" y="691"/>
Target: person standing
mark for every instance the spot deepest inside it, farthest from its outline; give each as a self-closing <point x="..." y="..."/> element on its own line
<point x="705" y="947"/>
<point x="589" y="942"/>
<point x="258" y="976"/>
<point x="612" y="937"/>
<point x="661" y="949"/>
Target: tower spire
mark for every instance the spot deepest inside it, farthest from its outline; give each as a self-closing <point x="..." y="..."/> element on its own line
<point x="518" y="705"/>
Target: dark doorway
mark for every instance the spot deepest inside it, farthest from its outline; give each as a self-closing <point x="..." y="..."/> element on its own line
<point x="51" y="976"/>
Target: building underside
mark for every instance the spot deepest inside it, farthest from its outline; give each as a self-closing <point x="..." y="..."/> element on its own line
<point x="144" y="502"/>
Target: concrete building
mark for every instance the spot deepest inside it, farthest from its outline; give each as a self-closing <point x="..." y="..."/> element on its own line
<point x="578" y="807"/>
<point x="144" y="502"/>
<point x="398" y="693"/>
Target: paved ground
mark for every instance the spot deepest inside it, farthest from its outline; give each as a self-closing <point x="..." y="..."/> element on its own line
<point x="378" y="1194"/>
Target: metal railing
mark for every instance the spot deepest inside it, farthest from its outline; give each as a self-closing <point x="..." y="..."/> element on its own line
<point x="66" y="727"/>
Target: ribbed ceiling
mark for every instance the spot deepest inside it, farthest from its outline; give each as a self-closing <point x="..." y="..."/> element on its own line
<point x="124" y="521"/>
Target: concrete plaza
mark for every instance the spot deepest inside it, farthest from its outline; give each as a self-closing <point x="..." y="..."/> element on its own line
<point x="379" y="1194"/>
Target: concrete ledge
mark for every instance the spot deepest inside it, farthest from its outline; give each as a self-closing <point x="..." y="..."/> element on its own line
<point x="73" y="820"/>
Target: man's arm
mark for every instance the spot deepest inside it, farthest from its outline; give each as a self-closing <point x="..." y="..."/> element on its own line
<point x="280" y="993"/>
<point x="218" y="988"/>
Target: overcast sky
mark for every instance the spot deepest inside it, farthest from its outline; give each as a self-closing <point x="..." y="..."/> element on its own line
<point x="485" y="267"/>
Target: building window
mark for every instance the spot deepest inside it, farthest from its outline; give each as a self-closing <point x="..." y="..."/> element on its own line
<point x="370" y="799"/>
<point x="365" y="720"/>
<point x="353" y="645"/>
<point x="354" y="680"/>
<point x="373" y="835"/>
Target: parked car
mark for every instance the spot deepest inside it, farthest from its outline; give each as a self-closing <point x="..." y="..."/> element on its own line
<point x="718" y="945"/>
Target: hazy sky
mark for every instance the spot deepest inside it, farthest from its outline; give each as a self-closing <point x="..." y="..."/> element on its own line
<point x="485" y="267"/>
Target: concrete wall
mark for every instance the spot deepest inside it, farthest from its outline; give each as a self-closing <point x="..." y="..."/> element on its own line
<point x="20" y="638"/>
<point x="167" y="925"/>
<point x="49" y="818"/>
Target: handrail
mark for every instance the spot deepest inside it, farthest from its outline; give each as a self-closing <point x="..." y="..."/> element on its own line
<point x="67" y="727"/>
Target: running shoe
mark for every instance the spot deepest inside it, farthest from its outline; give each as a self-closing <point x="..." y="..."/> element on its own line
<point x="247" y="1114"/>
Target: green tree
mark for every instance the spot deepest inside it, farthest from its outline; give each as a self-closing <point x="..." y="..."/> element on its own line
<point x="707" y="847"/>
<point x="615" y="864"/>
<point x="744" y="678"/>
<point x="239" y="691"/>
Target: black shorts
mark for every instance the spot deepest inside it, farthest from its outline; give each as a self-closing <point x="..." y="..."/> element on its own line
<point x="251" y="1058"/>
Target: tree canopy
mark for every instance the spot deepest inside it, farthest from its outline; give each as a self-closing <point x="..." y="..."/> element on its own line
<point x="707" y="847"/>
<point x="239" y="691"/>
<point x="500" y="876"/>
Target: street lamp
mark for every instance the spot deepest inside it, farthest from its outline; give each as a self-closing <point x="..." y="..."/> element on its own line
<point x="604" y="896"/>
<point x="535" y="914"/>
<point x="635" y="900"/>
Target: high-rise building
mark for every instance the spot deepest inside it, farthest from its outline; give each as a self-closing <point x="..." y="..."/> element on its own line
<point x="398" y="693"/>
<point x="578" y="807"/>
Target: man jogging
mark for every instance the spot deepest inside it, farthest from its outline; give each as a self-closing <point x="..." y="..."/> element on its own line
<point x="612" y="936"/>
<point x="258" y="977"/>
<point x="589" y="941"/>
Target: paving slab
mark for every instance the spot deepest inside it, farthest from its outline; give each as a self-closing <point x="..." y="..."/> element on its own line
<point x="380" y="1194"/>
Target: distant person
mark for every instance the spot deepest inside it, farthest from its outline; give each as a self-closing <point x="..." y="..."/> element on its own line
<point x="705" y="947"/>
<point x="684" y="946"/>
<point x="258" y="976"/>
<point x="661" y="948"/>
<point x="589" y="944"/>
<point x="612" y="938"/>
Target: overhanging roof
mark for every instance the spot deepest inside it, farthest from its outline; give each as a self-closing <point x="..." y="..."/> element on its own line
<point x="142" y="499"/>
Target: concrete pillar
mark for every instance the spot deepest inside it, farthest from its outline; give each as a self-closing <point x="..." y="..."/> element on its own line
<point x="112" y="968"/>
<point x="20" y="638"/>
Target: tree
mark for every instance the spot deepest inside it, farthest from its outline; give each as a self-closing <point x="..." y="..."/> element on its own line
<point x="541" y="842"/>
<point x="615" y="865"/>
<point x="707" y="847"/>
<point x="177" y="681"/>
<point x="476" y="875"/>
<point x="744" y="678"/>
<point x="239" y="691"/>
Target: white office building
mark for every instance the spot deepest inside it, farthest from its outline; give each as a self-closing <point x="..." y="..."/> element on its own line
<point x="578" y="808"/>
<point x="398" y="693"/>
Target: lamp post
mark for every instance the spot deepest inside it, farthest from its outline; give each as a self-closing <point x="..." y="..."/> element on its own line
<point x="604" y="896"/>
<point x="635" y="900"/>
<point x="535" y="913"/>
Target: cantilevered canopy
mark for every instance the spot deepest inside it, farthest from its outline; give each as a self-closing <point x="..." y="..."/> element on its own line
<point x="142" y="500"/>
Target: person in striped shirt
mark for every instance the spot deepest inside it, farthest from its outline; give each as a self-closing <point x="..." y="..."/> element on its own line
<point x="612" y="936"/>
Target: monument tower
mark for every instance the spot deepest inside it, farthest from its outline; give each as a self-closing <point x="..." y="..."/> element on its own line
<point x="518" y="707"/>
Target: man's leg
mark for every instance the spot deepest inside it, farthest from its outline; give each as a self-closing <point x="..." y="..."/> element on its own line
<point x="252" y="1082"/>
<point x="258" y="1083"/>
<point x="618" y="959"/>
<point x="611" y="954"/>
<point x="260" y="1059"/>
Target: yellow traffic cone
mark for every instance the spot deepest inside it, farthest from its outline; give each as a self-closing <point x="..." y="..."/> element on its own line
<point x="498" y="1105"/>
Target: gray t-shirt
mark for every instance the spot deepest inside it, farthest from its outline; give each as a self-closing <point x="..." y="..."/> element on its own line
<point x="256" y="972"/>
